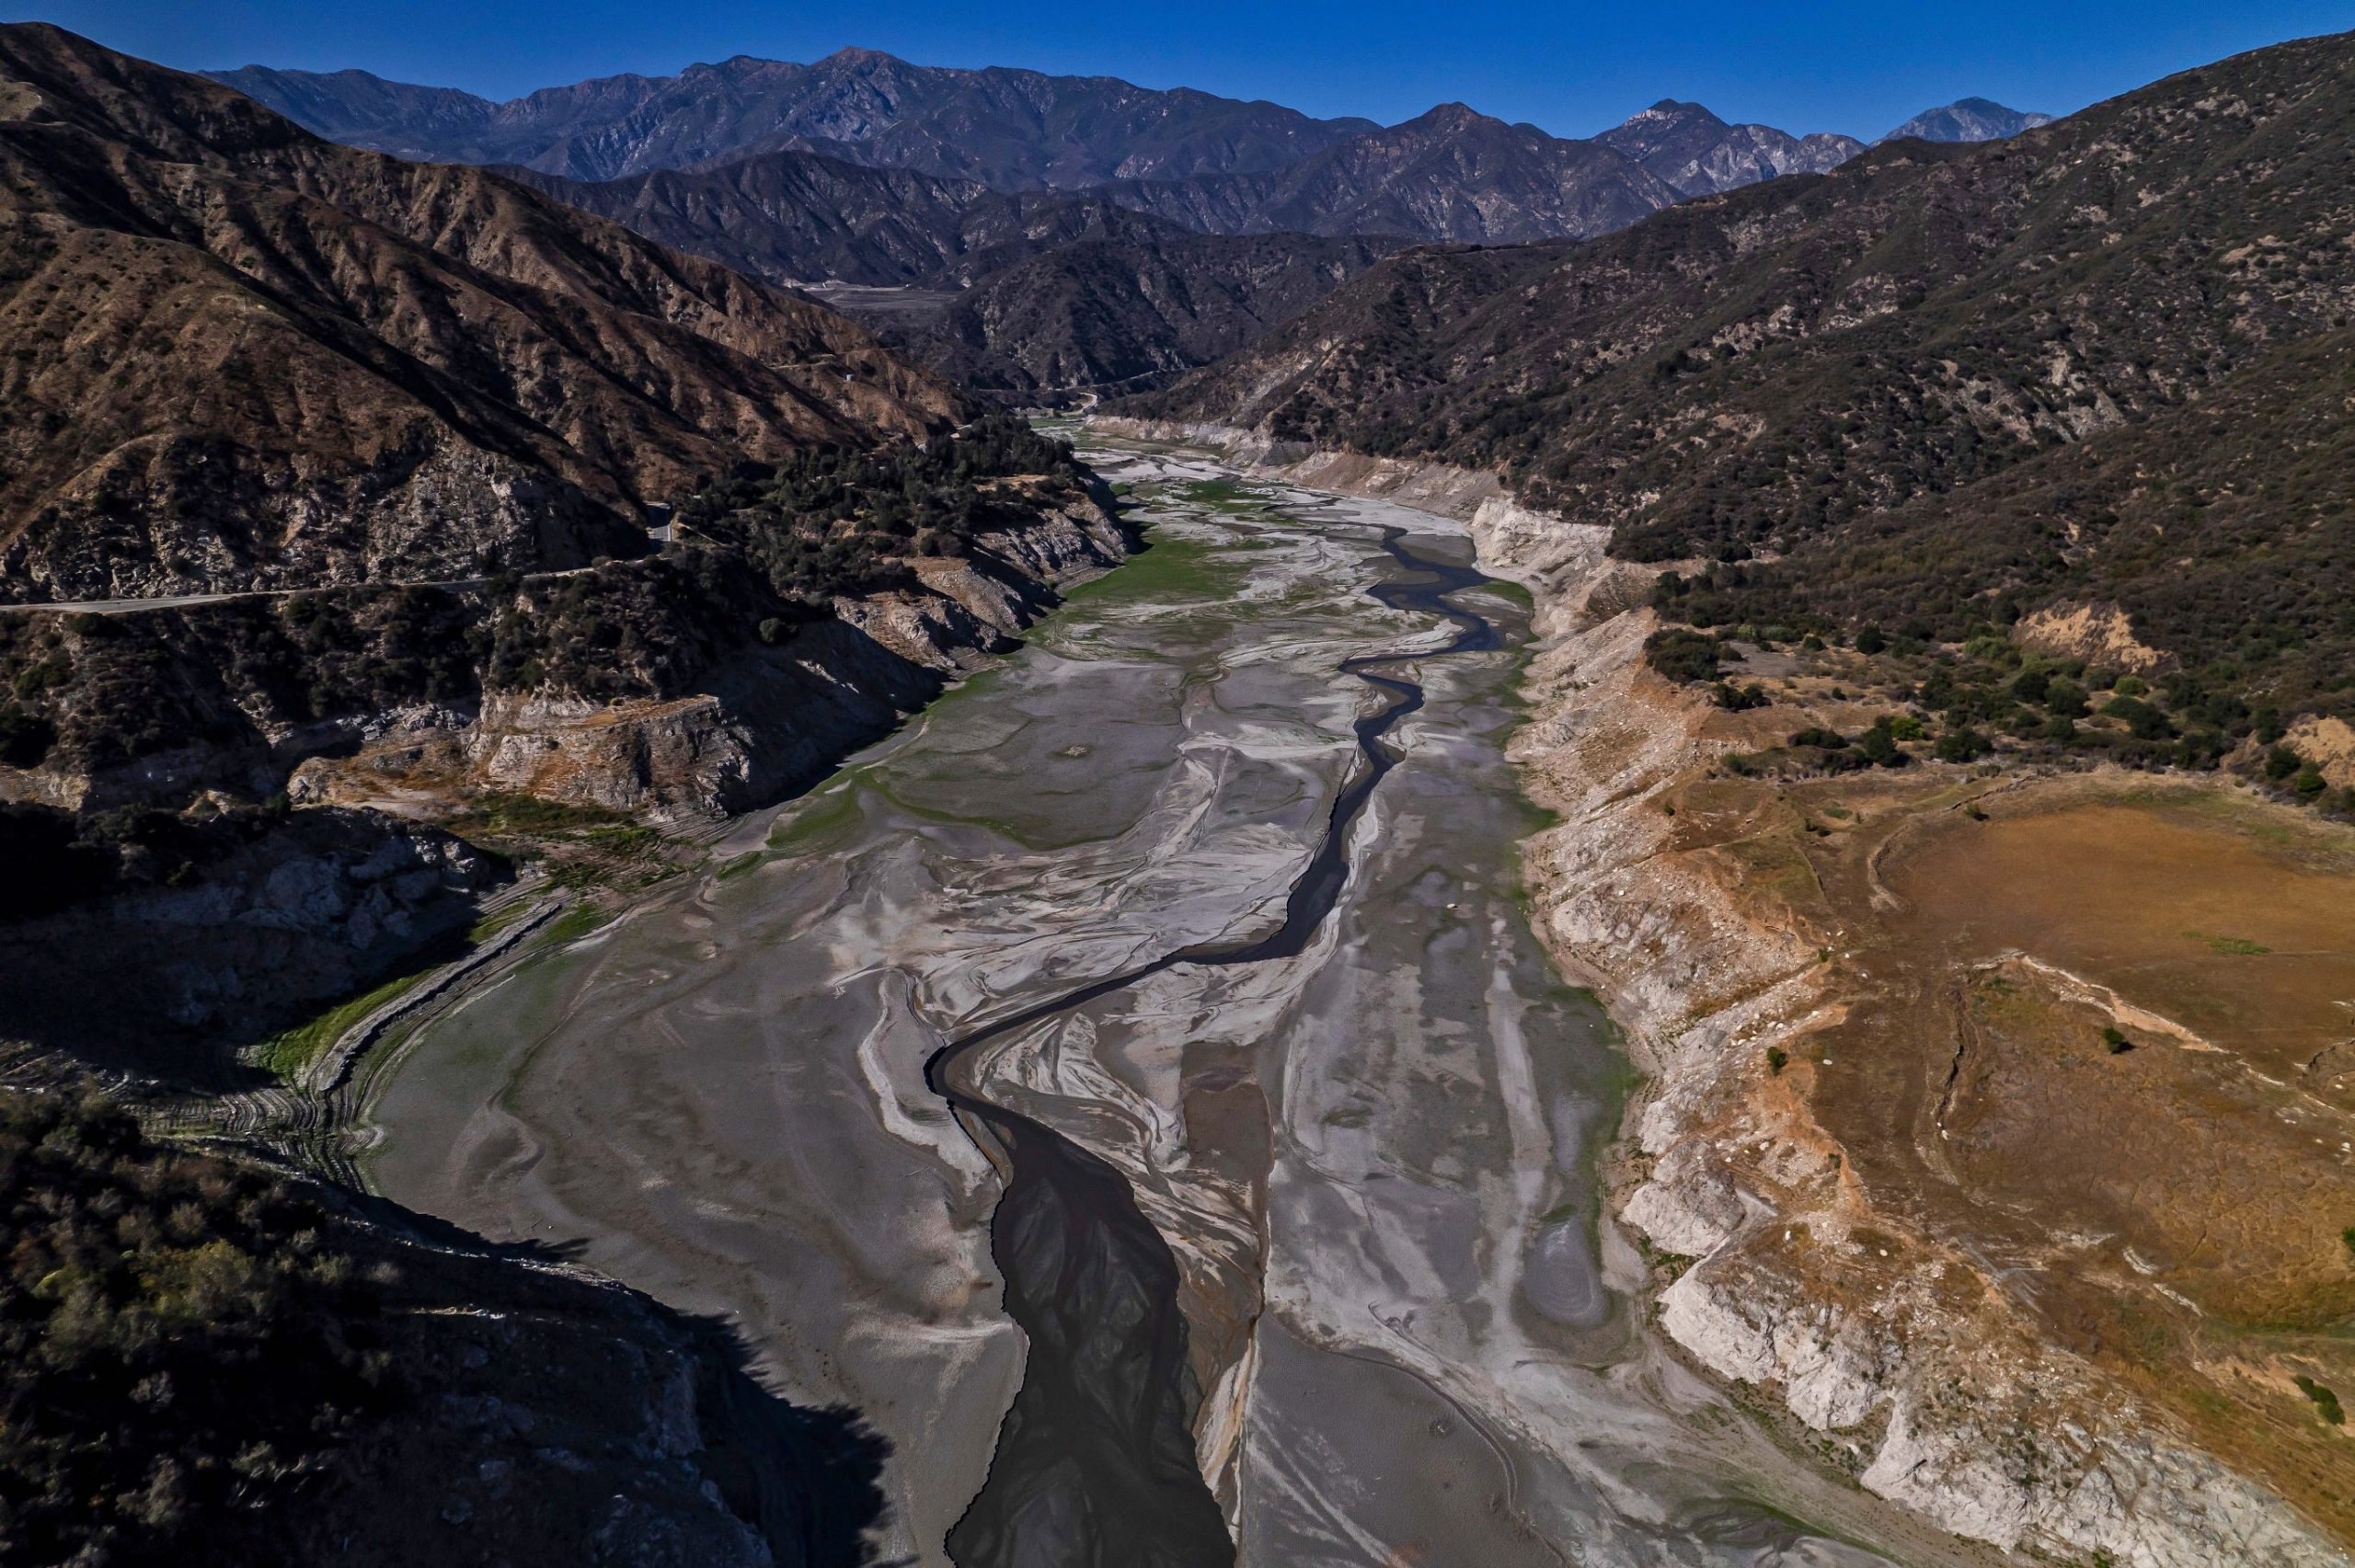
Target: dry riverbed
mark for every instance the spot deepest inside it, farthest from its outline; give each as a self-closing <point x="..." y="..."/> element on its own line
<point x="1414" y="1335"/>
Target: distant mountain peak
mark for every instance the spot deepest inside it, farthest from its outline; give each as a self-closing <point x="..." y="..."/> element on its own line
<point x="1451" y="116"/>
<point x="1696" y="153"/>
<point x="1969" y="120"/>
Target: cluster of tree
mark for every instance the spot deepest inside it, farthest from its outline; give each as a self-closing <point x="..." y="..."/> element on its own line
<point x="765" y="550"/>
<point x="178" y="1343"/>
<point x="832" y="522"/>
<point x="1988" y="694"/>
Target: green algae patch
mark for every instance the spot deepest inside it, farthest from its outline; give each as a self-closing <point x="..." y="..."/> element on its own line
<point x="289" y="1052"/>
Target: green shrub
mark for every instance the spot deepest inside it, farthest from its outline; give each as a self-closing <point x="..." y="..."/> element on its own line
<point x="2325" y="1400"/>
<point x="2142" y="721"/>
<point x="1682" y="654"/>
<point x="177" y="1342"/>
<point x="1963" y="744"/>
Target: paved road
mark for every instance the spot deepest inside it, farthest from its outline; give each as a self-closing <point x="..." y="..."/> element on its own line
<point x="182" y="601"/>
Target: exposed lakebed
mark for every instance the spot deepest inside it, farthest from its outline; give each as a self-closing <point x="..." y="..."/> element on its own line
<point x="1358" y="1268"/>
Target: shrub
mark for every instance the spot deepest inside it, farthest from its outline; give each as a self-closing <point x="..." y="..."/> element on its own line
<point x="1778" y="1059"/>
<point x="2280" y="762"/>
<point x="2065" y="699"/>
<point x="1963" y="744"/>
<point x="1740" y="699"/>
<point x="1879" y="744"/>
<point x="1682" y="654"/>
<point x="2325" y="1400"/>
<point x="2142" y="721"/>
<point x="1872" y="640"/>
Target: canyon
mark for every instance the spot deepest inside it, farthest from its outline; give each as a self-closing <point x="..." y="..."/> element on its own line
<point x="1636" y="850"/>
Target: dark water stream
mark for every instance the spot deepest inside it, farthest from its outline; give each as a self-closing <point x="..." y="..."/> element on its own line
<point x="1094" y="1462"/>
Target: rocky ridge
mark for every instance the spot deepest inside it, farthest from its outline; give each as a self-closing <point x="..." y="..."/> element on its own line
<point x="1700" y="154"/>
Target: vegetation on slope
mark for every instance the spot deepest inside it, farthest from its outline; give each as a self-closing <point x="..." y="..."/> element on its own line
<point x="756" y="554"/>
<point x="1951" y="387"/>
<point x="203" y="1363"/>
<point x="178" y="1343"/>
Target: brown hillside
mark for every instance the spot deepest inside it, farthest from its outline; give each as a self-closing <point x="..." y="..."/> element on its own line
<point x="241" y="356"/>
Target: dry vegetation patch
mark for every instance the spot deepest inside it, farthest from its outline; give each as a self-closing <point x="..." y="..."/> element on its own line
<point x="2094" y="1035"/>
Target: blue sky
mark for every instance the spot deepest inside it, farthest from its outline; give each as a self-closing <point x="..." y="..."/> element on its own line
<point x="1572" y="68"/>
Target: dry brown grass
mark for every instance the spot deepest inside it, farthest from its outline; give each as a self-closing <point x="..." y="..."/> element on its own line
<point x="2171" y="1212"/>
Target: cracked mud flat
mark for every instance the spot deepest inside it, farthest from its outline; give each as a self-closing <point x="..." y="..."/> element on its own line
<point x="1369" y="1160"/>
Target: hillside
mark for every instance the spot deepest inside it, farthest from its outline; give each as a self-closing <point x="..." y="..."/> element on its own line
<point x="1027" y="294"/>
<point x="397" y="430"/>
<point x="1008" y="129"/>
<point x="1114" y="315"/>
<point x="798" y="217"/>
<point x="210" y="1363"/>
<point x="375" y="370"/>
<point x="1801" y="368"/>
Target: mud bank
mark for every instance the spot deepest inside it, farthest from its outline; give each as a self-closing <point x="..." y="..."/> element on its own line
<point x="1903" y="1359"/>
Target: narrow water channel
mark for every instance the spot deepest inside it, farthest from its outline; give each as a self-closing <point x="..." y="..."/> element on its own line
<point x="1095" y="1463"/>
<point x="1203" y="909"/>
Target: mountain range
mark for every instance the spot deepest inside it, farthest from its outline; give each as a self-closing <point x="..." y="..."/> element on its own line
<point x="1013" y="130"/>
<point x="865" y="170"/>
<point x="2038" y="336"/>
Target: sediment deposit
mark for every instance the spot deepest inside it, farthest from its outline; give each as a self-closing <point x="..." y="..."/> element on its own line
<point x="1912" y="1344"/>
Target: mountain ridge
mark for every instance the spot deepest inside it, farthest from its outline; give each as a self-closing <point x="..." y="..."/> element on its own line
<point x="1781" y="370"/>
<point x="361" y="334"/>
<point x="1010" y="128"/>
